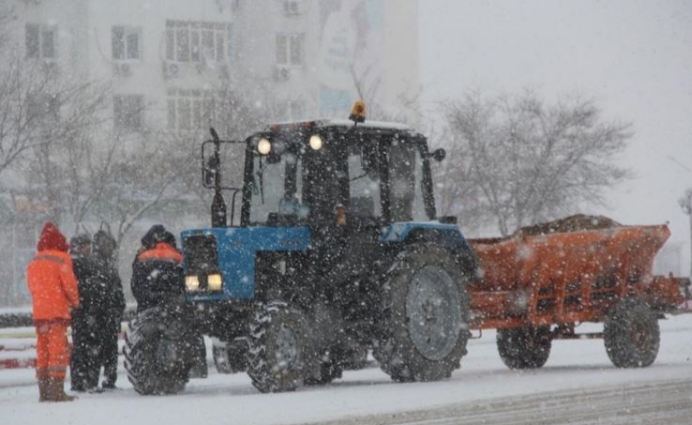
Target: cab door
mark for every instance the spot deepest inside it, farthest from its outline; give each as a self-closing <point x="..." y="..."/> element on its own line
<point x="365" y="211"/>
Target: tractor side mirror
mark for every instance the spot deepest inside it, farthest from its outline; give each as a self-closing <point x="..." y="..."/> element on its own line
<point x="209" y="171"/>
<point x="439" y="154"/>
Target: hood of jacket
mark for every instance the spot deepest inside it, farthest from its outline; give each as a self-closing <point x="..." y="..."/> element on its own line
<point x="52" y="239"/>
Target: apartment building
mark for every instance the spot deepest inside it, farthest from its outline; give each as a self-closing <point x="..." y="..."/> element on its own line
<point x="165" y="57"/>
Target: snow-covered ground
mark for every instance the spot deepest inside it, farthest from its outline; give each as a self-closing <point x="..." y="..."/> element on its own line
<point x="577" y="372"/>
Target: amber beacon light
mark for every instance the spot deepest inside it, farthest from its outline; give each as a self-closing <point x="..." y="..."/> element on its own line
<point x="358" y="111"/>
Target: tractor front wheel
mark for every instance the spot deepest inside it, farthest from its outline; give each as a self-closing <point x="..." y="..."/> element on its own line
<point x="277" y="348"/>
<point x="153" y="361"/>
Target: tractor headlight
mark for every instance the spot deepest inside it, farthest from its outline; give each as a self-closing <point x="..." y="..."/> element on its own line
<point x="315" y="142"/>
<point x="214" y="282"/>
<point x="264" y="146"/>
<point x="191" y="283"/>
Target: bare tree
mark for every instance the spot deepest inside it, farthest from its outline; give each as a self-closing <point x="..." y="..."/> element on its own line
<point x="236" y="115"/>
<point x="22" y="104"/>
<point x="43" y="115"/>
<point x="89" y="171"/>
<point x="7" y="15"/>
<point x="516" y="161"/>
<point x="161" y="171"/>
<point x="65" y="165"/>
<point x="140" y="180"/>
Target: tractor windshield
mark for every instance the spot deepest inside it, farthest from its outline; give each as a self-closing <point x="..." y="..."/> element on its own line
<point x="277" y="189"/>
<point x="294" y="183"/>
<point x="374" y="178"/>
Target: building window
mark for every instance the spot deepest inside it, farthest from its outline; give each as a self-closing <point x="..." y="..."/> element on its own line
<point x="190" y="109"/>
<point x="43" y="108"/>
<point x="292" y="7"/>
<point x="41" y="41"/>
<point x="289" y="49"/>
<point x="198" y="41"/>
<point x="125" y="43"/>
<point x="128" y="111"/>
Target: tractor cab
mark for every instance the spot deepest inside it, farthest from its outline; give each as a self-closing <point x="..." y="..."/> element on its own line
<point x="333" y="173"/>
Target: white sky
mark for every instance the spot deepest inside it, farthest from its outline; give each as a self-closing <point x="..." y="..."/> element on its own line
<point x="634" y="57"/>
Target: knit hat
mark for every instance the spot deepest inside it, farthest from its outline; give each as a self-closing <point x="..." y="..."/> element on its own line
<point x="83" y="239"/>
<point x="104" y="243"/>
<point x="156" y="234"/>
<point x="52" y="239"/>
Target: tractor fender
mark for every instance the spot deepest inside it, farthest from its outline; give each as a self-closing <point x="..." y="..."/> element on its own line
<point x="447" y="236"/>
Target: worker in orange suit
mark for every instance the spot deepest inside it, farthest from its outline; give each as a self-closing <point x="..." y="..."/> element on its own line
<point x="54" y="292"/>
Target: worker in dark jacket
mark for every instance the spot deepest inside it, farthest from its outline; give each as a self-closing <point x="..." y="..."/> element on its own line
<point x="157" y="272"/>
<point x="107" y="279"/>
<point x="84" y="318"/>
<point x="158" y="280"/>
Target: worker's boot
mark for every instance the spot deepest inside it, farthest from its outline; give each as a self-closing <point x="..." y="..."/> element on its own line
<point x="42" y="389"/>
<point x="56" y="390"/>
<point x="42" y="378"/>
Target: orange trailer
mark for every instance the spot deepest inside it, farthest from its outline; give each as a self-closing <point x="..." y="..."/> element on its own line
<point x="538" y="284"/>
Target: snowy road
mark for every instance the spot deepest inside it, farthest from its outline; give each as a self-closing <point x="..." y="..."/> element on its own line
<point x="654" y="403"/>
<point x="578" y="385"/>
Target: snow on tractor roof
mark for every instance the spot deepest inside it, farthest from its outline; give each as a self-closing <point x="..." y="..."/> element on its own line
<point x="346" y="124"/>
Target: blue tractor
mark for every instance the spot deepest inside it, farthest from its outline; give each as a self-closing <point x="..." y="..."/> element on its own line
<point x="338" y="250"/>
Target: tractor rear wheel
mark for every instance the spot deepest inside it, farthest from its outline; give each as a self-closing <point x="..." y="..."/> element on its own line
<point x="152" y="365"/>
<point x="631" y="334"/>
<point x="425" y="315"/>
<point x="277" y="348"/>
<point x="524" y="348"/>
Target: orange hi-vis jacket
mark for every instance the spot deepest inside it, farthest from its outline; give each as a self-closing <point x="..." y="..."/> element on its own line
<point x="53" y="286"/>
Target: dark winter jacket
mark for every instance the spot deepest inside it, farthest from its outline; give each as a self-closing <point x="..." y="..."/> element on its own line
<point x="107" y="281"/>
<point x="157" y="274"/>
<point x="84" y="270"/>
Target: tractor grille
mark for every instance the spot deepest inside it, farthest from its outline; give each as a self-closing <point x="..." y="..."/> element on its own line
<point x="200" y="254"/>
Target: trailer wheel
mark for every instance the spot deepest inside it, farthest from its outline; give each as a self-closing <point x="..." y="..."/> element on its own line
<point x="524" y="348"/>
<point x="277" y="348"/>
<point x="149" y="359"/>
<point x="424" y="321"/>
<point x="631" y="334"/>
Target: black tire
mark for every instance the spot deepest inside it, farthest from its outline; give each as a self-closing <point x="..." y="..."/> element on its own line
<point x="631" y="334"/>
<point x="424" y="323"/>
<point x="277" y="348"/>
<point x="145" y="370"/>
<point x="230" y="357"/>
<point x="524" y="348"/>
